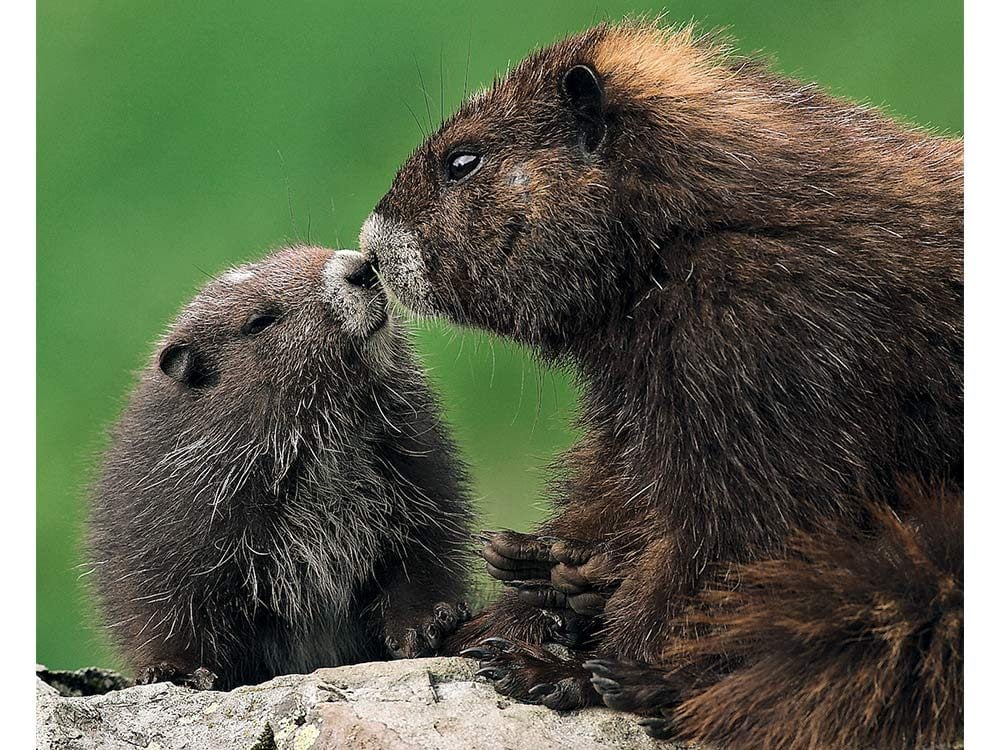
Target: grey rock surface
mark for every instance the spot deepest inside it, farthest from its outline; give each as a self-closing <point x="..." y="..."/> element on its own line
<point x="417" y="704"/>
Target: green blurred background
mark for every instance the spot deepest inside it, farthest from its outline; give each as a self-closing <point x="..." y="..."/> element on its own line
<point x="177" y="138"/>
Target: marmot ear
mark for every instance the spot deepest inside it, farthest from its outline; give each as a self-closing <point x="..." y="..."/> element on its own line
<point x="582" y="89"/>
<point x="182" y="363"/>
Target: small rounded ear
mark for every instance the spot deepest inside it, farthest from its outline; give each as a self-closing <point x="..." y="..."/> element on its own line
<point x="583" y="89"/>
<point x="585" y="95"/>
<point x="182" y="363"/>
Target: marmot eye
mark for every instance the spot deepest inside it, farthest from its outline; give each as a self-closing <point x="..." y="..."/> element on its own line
<point x="462" y="164"/>
<point x="259" y="321"/>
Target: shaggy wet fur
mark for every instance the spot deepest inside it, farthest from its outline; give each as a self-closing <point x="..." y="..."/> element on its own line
<point x="759" y="287"/>
<point x="854" y="639"/>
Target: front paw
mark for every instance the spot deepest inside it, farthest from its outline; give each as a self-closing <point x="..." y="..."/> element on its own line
<point x="513" y="556"/>
<point x="425" y="637"/>
<point x="200" y="679"/>
<point x="550" y="572"/>
<point x="532" y="674"/>
<point x="585" y="573"/>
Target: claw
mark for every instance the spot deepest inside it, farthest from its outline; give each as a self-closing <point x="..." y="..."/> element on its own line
<point x="475" y="653"/>
<point x="432" y="635"/>
<point x="444" y="611"/>
<point x="599" y="667"/>
<point x="491" y="673"/>
<point x="604" y="685"/>
<point x="540" y="691"/>
<point x="658" y="729"/>
<point x="445" y="619"/>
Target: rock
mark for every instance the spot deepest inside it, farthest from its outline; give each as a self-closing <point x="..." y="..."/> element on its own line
<point x="405" y="705"/>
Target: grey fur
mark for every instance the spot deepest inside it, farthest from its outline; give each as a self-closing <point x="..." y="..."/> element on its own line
<point x="291" y="500"/>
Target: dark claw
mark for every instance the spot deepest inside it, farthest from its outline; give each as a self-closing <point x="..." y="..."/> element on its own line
<point x="658" y="729"/>
<point x="499" y="573"/>
<point x="569" y="694"/>
<point x="508" y="685"/>
<point x="604" y="685"/>
<point x="491" y="673"/>
<point x="599" y="667"/>
<point x="476" y="653"/>
<point x="540" y="691"/>
<point x="432" y="634"/>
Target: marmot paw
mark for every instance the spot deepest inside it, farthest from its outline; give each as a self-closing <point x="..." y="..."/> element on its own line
<point x="531" y="674"/>
<point x="512" y="556"/>
<point x="426" y="638"/>
<point x="200" y="679"/>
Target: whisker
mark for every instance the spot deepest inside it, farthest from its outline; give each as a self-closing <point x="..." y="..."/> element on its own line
<point x="423" y="133"/>
<point x="288" y="194"/>
<point x="427" y="98"/>
<point x="468" y="60"/>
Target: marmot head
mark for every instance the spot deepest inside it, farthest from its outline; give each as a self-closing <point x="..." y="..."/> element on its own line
<point x="529" y="212"/>
<point x="277" y="325"/>
<point x="272" y="362"/>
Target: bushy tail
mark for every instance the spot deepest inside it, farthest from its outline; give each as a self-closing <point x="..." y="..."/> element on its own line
<point x="853" y="641"/>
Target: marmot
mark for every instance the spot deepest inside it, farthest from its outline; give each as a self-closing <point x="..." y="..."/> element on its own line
<point x="759" y="287"/>
<point x="280" y="493"/>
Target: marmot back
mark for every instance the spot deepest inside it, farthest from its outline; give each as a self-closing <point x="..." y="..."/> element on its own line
<point x="280" y="493"/>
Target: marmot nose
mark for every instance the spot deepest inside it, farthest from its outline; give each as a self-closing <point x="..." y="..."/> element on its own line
<point x="365" y="276"/>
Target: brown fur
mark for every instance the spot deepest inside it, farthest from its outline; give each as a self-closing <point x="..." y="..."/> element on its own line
<point x="760" y="289"/>
<point x="854" y="639"/>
